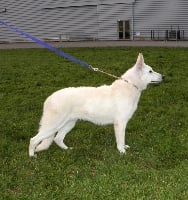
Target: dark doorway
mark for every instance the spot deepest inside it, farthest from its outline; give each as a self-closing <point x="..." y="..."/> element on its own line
<point x="124" y="30"/>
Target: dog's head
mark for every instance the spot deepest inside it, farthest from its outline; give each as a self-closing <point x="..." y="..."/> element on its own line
<point x="147" y="74"/>
<point x="141" y="74"/>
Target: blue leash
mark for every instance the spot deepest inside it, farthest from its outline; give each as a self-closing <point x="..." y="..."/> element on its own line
<point x="55" y="50"/>
<point x="46" y="45"/>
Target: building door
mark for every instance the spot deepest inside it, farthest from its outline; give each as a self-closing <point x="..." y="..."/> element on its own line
<point x="124" y="29"/>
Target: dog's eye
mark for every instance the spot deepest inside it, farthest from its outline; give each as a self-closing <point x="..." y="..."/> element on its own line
<point x="150" y="71"/>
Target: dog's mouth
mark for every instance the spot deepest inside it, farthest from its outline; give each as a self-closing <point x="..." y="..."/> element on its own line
<point x="159" y="80"/>
<point x="156" y="81"/>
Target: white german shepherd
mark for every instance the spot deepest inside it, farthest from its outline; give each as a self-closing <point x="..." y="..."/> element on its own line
<point x="113" y="104"/>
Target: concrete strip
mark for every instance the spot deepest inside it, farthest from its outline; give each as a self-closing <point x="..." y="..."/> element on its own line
<point x="66" y="44"/>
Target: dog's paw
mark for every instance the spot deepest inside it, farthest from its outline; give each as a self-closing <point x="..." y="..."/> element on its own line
<point x="33" y="155"/>
<point x="121" y="149"/>
<point x="127" y="147"/>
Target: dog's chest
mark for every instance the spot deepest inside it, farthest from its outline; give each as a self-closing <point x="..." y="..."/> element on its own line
<point x="127" y="102"/>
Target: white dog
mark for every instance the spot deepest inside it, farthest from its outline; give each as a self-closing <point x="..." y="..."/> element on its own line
<point x="113" y="104"/>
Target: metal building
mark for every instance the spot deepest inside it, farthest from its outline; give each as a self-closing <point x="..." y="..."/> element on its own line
<point x="96" y="19"/>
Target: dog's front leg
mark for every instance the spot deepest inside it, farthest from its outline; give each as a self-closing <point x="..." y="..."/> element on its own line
<point x="119" y="128"/>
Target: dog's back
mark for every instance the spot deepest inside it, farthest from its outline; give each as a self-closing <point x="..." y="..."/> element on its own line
<point x="99" y="105"/>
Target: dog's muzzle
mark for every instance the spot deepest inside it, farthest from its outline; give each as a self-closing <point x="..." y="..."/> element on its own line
<point x="160" y="80"/>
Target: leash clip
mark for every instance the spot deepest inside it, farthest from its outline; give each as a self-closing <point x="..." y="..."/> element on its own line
<point x="94" y="69"/>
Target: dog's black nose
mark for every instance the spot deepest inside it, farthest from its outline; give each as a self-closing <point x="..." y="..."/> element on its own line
<point x="163" y="77"/>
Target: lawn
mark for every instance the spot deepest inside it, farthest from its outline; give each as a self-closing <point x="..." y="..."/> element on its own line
<point x="155" y="167"/>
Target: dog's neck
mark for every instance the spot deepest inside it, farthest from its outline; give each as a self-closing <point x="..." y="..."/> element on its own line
<point x="127" y="81"/>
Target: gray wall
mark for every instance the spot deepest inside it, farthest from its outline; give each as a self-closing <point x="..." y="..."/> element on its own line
<point x="95" y="19"/>
<point x="160" y="15"/>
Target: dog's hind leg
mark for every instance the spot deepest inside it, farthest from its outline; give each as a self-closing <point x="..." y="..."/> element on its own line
<point x="44" y="145"/>
<point x="62" y="133"/>
<point x="34" y="142"/>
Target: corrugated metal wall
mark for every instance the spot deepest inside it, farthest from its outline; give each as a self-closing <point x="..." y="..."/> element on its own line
<point x="49" y="20"/>
<point x="22" y="14"/>
<point x="160" y="15"/>
<point x="71" y="22"/>
<point x="95" y="19"/>
<point x="109" y="15"/>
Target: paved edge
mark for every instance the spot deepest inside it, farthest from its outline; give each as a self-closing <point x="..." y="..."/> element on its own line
<point x="67" y="44"/>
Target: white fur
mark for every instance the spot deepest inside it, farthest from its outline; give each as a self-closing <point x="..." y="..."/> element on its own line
<point x="113" y="104"/>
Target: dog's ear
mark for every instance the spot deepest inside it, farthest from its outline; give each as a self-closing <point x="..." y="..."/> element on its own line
<point x="140" y="61"/>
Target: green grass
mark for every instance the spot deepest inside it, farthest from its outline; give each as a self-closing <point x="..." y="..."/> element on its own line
<point x="155" y="167"/>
